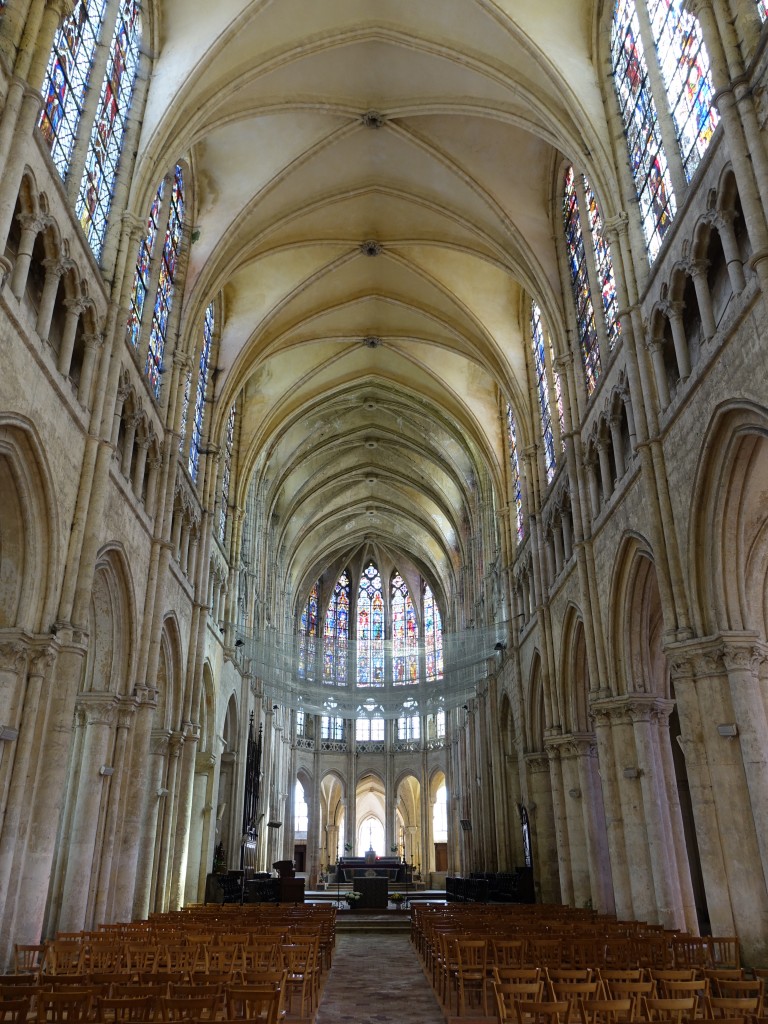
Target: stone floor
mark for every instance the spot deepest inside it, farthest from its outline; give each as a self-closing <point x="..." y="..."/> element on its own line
<point x="376" y="978"/>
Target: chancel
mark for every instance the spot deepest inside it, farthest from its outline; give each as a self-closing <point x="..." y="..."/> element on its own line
<point x="384" y="458"/>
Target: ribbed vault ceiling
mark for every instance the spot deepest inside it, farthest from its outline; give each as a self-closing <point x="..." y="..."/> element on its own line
<point x="422" y="228"/>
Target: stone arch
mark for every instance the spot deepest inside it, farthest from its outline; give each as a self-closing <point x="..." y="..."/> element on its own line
<point x="535" y="720"/>
<point x="29" y="527"/>
<point x="111" y="626"/>
<point x="728" y="542"/>
<point x="513" y="790"/>
<point x="574" y="675"/>
<point x="169" y="680"/>
<point x="636" y="609"/>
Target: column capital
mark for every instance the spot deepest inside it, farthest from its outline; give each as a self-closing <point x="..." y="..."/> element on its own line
<point x="159" y="742"/>
<point x="537" y="763"/>
<point x="13" y="657"/>
<point x="616" y="226"/>
<point x="97" y="708"/>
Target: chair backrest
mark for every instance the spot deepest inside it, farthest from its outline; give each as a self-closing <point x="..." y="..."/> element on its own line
<point x="70" y="1005"/>
<point x="28" y="959"/>
<point x="259" y="1003"/>
<point x="181" y="1008"/>
<point x="732" y="1006"/>
<point x="605" y="1011"/>
<point x="669" y="1009"/>
<point x="126" y="1008"/>
<point x="547" y="1012"/>
<point x="14" y="1010"/>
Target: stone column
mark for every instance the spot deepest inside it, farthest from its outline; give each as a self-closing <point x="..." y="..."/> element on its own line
<point x="156" y="792"/>
<point x="654" y="346"/>
<point x="162" y="884"/>
<point x="614" y="824"/>
<point x="593" y="810"/>
<point x="573" y="799"/>
<point x="698" y="271"/>
<point x="74" y="308"/>
<point x="31" y="227"/>
<point x="199" y="828"/>
<point x="55" y="269"/>
<point x="542" y="821"/>
<point x="618" y="449"/>
<point x="605" y="469"/>
<point x="93" y="344"/>
<point x="674" y="311"/>
<point x="723" y="223"/>
<point x="97" y="713"/>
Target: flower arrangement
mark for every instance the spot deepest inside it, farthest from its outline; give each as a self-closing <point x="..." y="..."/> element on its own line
<point x="397" y="898"/>
<point x="352" y="897"/>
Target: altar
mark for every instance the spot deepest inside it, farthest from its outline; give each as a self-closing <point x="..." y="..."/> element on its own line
<point x="374" y="893"/>
<point x="390" y="868"/>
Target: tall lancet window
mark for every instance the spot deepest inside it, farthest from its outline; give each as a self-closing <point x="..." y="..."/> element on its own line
<point x="647" y="159"/>
<point x="143" y="266"/>
<point x="108" y="134"/>
<point x="542" y="390"/>
<point x="370" y="629"/>
<point x="68" y="79"/>
<point x="580" y="255"/>
<point x="762" y="9"/>
<point x="336" y="634"/>
<point x="433" y="636"/>
<point x="308" y="637"/>
<point x="687" y="78"/>
<point x="515" y="467"/>
<point x="200" y="390"/>
<point x="164" y="297"/>
<point x="226" y="471"/>
<point x="405" y="634"/>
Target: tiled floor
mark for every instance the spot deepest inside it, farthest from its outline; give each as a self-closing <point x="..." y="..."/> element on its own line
<point x="377" y="979"/>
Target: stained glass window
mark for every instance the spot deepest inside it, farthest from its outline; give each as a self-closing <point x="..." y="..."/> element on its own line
<point x="558" y="392"/>
<point x="762" y="9"/>
<point x="107" y="135"/>
<point x="647" y="159"/>
<point x="687" y="78"/>
<point x="66" y="79"/>
<point x="143" y="264"/>
<point x="542" y="389"/>
<point x="433" y="636"/>
<point x="405" y="634"/>
<point x="336" y="634"/>
<point x="308" y="634"/>
<point x="225" y="473"/>
<point x="164" y="296"/>
<point x="515" y="463"/>
<point x="185" y="411"/>
<point x="577" y="263"/>
<point x="370" y="629"/>
<point x="202" y="384"/>
<point x="603" y="266"/>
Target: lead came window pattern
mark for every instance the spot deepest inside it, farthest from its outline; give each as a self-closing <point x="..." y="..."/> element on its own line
<point x="308" y="637"/>
<point x="66" y="79"/>
<point x="604" y="267"/>
<point x="98" y="182"/>
<point x="143" y="264"/>
<point x="225" y="474"/>
<point x="370" y="629"/>
<point x="164" y="297"/>
<point x="647" y="159"/>
<point x="433" y="636"/>
<point x="687" y="78"/>
<point x="202" y="385"/>
<point x="762" y="9"/>
<point x="515" y="462"/>
<point x="585" y="313"/>
<point x="405" y="634"/>
<point x="542" y="388"/>
<point x="336" y="634"/>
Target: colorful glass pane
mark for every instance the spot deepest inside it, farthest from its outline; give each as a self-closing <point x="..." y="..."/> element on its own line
<point x="226" y="472"/>
<point x="98" y="183"/>
<point x="308" y="634"/>
<point x="433" y="636"/>
<point x="164" y="296"/>
<point x="185" y="411"/>
<point x="582" y="296"/>
<point x="647" y="159"/>
<point x="370" y="629"/>
<point x="405" y="634"/>
<point x="143" y="265"/>
<point x="336" y="634"/>
<point x="542" y="389"/>
<point x="515" y="463"/>
<point x="66" y="79"/>
<point x="687" y="78"/>
<point x="558" y="392"/>
<point x="202" y="384"/>
<point x="762" y="9"/>
<point x="603" y="266"/>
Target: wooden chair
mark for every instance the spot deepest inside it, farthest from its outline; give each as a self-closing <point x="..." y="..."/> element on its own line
<point x="71" y="1005"/>
<point x="660" y="1009"/>
<point x="505" y="952"/>
<point x="63" y="957"/>
<point x="471" y="973"/>
<point x="28" y="959"/>
<point x="605" y="1011"/>
<point x="261" y="955"/>
<point x="302" y="974"/>
<point x="573" y="991"/>
<point x="732" y="1006"/>
<point x="199" y="1008"/>
<point x="548" y="1012"/>
<point x="257" y="1003"/>
<point x="634" y="990"/>
<point x="508" y="996"/>
<point x="131" y="1008"/>
<point x="14" y="1011"/>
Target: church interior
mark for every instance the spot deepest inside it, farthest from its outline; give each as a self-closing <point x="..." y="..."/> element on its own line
<point x="384" y="453"/>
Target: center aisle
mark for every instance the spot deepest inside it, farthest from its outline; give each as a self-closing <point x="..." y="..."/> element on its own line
<point x="377" y="978"/>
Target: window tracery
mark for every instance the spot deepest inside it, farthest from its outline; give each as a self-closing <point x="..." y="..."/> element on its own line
<point x="202" y="386"/>
<point x="308" y="637"/>
<point x="336" y="634"/>
<point x="370" y="628"/>
<point x="226" y="472"/>
<point x="143" y="263"/>
<point x="542" y="390"/>
<point x="64" y="91"/>
<point x="515" y="463"/>
<point x="433" y="636"/>
<point x="405" y="634"/>
<point x="165" y="287"/>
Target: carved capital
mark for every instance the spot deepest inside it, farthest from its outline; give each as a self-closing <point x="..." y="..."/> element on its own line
<point x="537" y="763"/>
<point x="97" y="708"/>
<point x="13" y="657"/>
<point x="615" y="227"/>
<point x="159" y="742"/>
